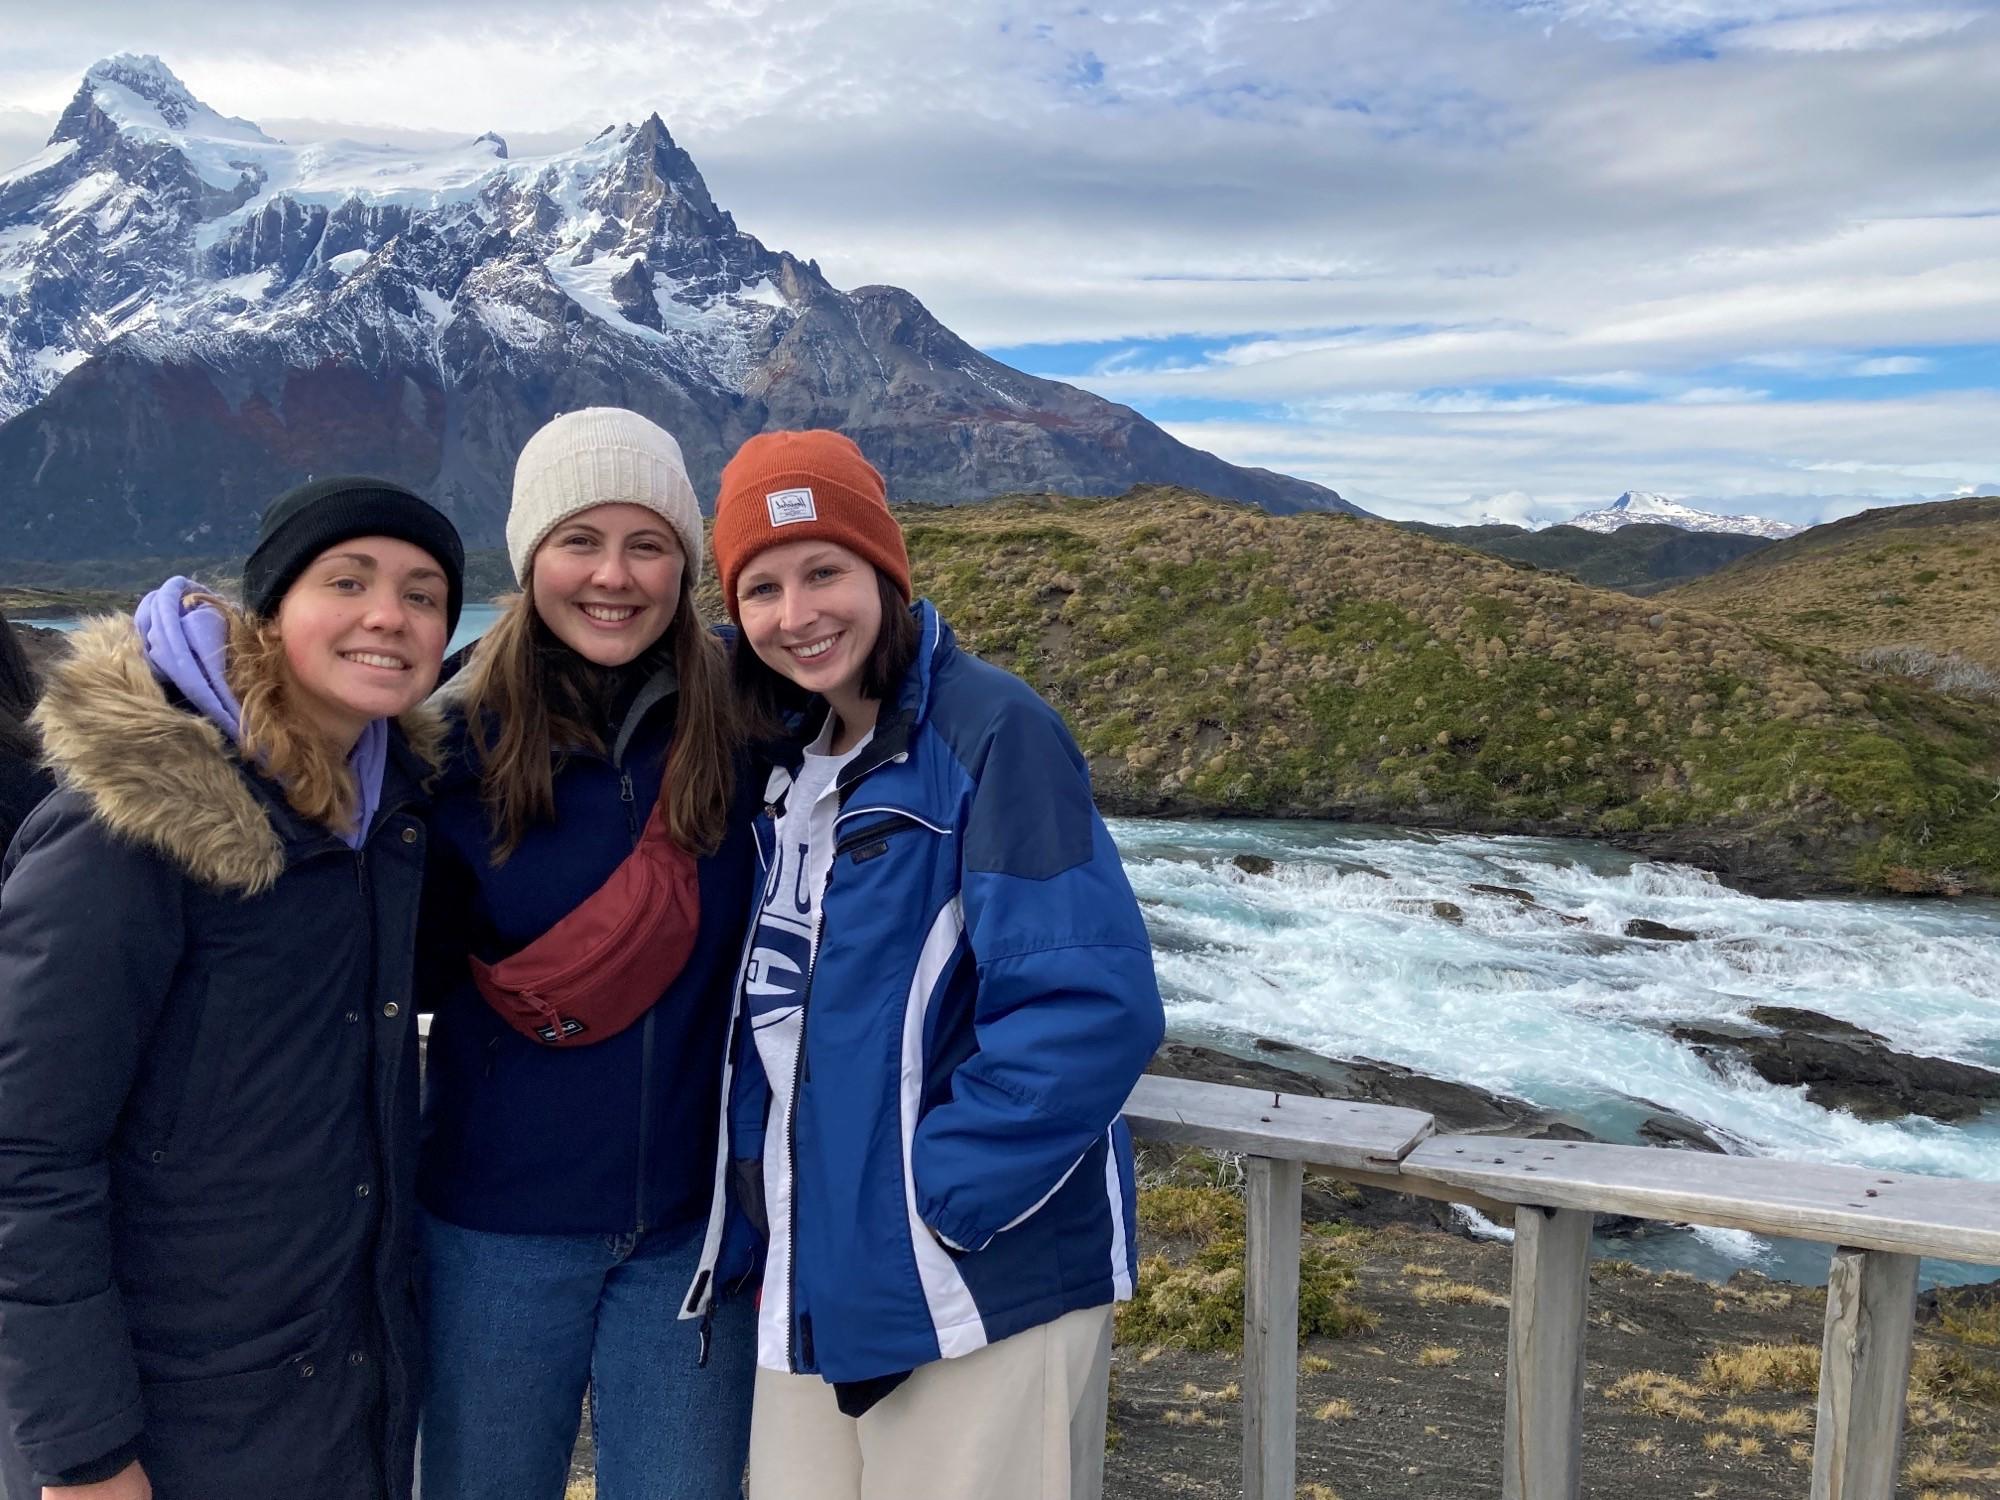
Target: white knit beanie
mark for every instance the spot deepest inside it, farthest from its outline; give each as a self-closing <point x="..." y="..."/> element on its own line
<point x="602" y="455"/>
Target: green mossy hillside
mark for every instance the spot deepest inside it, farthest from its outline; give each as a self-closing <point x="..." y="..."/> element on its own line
<point x="1924" y="576"/>
<point x="1642" y="558"/>
<point x="1213" y="659"/>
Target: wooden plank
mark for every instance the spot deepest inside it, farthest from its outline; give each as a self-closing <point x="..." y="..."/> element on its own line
<point x="1271" y="1330"/>
<point x="1543" y="1447"/>
<point x="1296" y="1127"/>
<point x="1864" y="1374"/>
<point x="1903" y="1213"/>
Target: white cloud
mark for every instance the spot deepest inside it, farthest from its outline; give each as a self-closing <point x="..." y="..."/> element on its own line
<point x="1899" y="364"/>
<point x="1799" y="462"/>
<point x="1718" y="395"/>
<point x="1867" y="30"/>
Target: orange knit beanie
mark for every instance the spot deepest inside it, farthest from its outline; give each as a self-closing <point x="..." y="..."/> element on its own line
<point x="803" y="486"/>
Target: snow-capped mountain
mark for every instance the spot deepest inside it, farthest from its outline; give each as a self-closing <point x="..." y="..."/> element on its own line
<point x="194" y="314"/>
<point x="1635" y="506"/>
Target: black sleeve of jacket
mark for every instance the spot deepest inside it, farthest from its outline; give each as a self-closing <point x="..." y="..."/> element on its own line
<point x="91" y="931"/>
<point x="114" y="1463"/>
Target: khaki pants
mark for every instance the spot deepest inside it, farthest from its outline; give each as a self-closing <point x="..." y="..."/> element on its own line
<point x="1022" y="1419"/>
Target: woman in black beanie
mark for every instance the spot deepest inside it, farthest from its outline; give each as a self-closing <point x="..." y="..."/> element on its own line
<point x="207" y="1041"/>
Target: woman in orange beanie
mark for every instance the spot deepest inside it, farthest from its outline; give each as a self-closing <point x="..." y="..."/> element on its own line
<point x="945" y="1001"/>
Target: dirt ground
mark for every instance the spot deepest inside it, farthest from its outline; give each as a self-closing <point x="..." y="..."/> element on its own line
<point x="1413" y="1408"/>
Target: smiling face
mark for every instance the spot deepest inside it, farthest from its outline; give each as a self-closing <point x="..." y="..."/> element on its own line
<point x="607" y="582"/>
<point x="363" y="629"/>
<point x="811" y="610"/>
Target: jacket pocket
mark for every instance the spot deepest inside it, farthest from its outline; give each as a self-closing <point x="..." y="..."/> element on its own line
<point x="175" y="1379"/>
<point x="188" y="1065"/>
<point x="865" y="833"/>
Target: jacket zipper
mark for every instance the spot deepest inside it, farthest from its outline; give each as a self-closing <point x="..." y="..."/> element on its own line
<point x="802" y="1069"/>
<point x="801" y="1075"/>
<point x="645" y="1037"/>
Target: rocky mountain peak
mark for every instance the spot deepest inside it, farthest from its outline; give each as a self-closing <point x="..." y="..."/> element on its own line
<point x="136" y="94"/>
<point x="1640" y="506"/>
<point x="192" y="314"/>
<point x="148" y="79"/>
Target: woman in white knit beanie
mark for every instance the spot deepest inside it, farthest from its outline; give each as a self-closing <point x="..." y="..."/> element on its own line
<point x="593" y="873"/>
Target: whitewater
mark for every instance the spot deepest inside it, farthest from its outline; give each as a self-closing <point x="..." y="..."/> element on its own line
<point x="1338" y="950"/>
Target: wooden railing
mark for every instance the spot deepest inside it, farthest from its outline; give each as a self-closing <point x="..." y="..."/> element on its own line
<point x="1880" y="1223"/>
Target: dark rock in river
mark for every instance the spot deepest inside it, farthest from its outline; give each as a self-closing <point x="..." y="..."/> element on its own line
<point x="1458" y="1107"/>
<point x="1444" y="911"/>
<point x="1526" y="899"/>
<point x="1677" y="1134"/>
<point x="1843" y="1066"/>
<point x="1254" y="864"/>
<point x="1659" y="932"/>
<point x="1351" y="867"/>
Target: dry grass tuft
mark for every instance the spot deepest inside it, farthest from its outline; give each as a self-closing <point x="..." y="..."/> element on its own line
<point x="1793" y="1421"/>
<point x="1658" y="1394"/>
<point x="1314" y="1364"/>
<point x="1340" y="1409"/>
<point x="1432" y="1355"/>
<point x="1747" y="1368"/>
<point x="1939" y="1374"/>
<point x="1198" y="1305"/>
<point x="1417" y="1268"/>
<point x="1457" y="1294"/>
<point x="1964" y="1319"/>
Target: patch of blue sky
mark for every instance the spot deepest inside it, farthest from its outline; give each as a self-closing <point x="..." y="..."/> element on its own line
<point x="1086" y="70"/>
<point x="1067" y="361"/>
<point x="1691" y="46"/>
<point x="1202" y="409"/>
<point x="1865" y="374"/>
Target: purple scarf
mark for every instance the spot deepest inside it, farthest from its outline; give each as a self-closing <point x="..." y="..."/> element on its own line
<point x="186" y="644"/>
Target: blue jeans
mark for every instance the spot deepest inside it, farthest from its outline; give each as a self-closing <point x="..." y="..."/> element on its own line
<point x="516" y="1326"/>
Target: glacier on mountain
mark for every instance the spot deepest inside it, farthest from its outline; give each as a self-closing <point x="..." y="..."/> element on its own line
<point x="193" y="312"/>
<point x="1637" y="506"/>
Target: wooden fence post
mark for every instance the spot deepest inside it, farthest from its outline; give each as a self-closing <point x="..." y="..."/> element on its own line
<point x="1864" y="1374"/>
<point x="1271" y="1329"/>
<point x="1544" y="1435"/>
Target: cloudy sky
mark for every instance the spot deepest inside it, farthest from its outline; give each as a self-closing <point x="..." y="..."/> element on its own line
<point x="1451" y="257"/>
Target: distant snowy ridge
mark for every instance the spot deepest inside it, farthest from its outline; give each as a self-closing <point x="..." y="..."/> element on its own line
<point x="193" y="313"/>
<point x="1636" y="506"/>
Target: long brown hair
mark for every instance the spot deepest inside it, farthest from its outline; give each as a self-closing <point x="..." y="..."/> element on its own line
<point x="531" y="697"/>
<point x="272" y="736"/>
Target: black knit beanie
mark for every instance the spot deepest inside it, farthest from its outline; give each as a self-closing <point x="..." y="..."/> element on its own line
<point x="302" y="523"/>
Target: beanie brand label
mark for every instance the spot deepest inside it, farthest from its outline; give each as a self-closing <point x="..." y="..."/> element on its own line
<point x="789" y="507"/>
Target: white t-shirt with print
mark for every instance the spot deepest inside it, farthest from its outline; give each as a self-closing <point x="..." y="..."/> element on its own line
<point x="774" y="983"/>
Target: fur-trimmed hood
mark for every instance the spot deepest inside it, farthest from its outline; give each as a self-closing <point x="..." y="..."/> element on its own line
<point x="160" y="775"/>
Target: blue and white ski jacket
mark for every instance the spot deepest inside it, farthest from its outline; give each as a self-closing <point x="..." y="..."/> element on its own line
<point x="980" y="1002"/>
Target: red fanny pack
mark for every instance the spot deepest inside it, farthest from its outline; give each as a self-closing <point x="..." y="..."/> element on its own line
<point x="601" y="967"/>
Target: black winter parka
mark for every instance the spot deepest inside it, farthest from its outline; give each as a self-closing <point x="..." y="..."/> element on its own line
<point x="208" y="1064"/>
